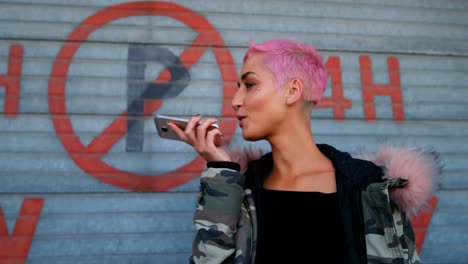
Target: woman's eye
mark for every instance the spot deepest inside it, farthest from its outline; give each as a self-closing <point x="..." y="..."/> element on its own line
<point x="248" y="85"/>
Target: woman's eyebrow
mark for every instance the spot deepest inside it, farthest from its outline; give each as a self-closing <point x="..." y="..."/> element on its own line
<point x="245" y="75"/>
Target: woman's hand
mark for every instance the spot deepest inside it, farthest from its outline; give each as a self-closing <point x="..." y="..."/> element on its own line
<point x="202" y="138"/>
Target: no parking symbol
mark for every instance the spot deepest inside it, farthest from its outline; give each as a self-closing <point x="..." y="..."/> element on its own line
<point x="89" y="158"/>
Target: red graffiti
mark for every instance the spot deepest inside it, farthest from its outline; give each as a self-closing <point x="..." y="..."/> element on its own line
<point x="92" y="163"/>
<point x="14" y="248"/>
<point x="421" y="221"/>
<point x="370" y="90"/>
<point x="12" y="80"/>
<point x="336" y="101"/>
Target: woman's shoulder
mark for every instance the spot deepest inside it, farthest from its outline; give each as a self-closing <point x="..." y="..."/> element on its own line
<point x="418" y="168"/>
<point x="360" y="172"/>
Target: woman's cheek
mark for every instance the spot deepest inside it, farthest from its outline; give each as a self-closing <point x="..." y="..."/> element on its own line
<point x="255" y="101"/>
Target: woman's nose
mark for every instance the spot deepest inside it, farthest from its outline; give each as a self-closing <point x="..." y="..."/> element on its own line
<point x="237" y="100"/>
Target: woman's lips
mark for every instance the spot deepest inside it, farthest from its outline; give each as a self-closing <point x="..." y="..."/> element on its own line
<point x="241" y="120"/>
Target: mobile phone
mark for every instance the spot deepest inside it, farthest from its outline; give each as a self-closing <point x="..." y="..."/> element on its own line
<point x="165" y="132"/>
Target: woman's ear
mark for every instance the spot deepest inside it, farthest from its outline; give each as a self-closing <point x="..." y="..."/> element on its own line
<point x="293" y="91"/>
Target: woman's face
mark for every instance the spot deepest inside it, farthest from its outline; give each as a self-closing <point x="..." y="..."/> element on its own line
<point x="261" y="107"/>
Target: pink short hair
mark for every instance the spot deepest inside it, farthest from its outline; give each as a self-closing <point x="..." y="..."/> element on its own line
<point x="288" y="60"/>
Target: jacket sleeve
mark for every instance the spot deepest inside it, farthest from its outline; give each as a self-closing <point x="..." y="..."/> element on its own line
<point x="217" y="213"/>
<point x="388" y="232"/>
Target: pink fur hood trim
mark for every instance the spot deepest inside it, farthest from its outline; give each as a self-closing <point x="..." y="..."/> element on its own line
<point x="421" y="167"/>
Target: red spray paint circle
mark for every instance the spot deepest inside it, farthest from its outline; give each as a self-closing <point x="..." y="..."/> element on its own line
<point x="89" y="157"/>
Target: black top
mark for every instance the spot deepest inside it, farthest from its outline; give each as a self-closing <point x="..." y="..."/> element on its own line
<point x="299" y="227"/>
<point x="352" y="177"/>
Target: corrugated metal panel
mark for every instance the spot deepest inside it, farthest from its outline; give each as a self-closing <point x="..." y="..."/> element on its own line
<point x="95" y="212"/>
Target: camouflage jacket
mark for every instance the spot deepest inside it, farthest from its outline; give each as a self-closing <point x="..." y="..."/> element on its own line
<point x="377" y="229"/>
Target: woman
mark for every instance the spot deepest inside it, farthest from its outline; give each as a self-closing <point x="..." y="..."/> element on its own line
<point x="303" y="202"/>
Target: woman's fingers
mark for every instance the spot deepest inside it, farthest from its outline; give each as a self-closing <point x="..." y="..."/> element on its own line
<point x="215" y="136"/>
<point x="195" y="133"/>
<point x="204" y="137"/>
<point x="203" y="128"/>
<point x="178" y="131"/>
<point x="204" y="146"/>
<point x="190" y="129"/>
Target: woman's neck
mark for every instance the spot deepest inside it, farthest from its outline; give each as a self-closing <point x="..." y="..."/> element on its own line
<point x="298" y="165"/>
<point x="295" y="152"/>
<point x="293" y="155"/>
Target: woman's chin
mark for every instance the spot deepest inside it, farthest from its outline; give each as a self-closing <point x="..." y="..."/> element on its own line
<point x="246" y="136"/>
<point x="250" y="137"/>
